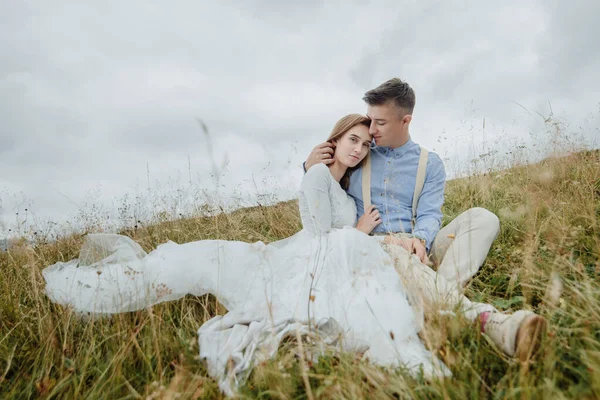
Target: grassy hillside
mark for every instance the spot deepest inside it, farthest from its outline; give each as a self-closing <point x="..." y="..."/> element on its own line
<point x="547" y="259"/>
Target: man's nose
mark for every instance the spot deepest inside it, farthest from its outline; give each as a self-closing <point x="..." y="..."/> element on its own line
<point x="372" y="128"/>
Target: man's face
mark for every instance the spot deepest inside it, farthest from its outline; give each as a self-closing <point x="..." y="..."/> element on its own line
<point x="387" y="125"/>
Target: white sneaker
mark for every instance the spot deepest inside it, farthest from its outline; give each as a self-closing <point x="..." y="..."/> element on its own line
<point x="518" y="335"/>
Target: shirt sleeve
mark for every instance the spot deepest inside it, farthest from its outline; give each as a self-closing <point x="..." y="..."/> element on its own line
<point x="316" y="215"/>
<point x="429" y="208"/>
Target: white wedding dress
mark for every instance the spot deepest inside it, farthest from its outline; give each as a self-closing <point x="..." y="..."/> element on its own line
<point x="329" y="280"/>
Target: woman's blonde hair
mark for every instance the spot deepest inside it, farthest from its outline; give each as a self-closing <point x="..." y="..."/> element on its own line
<point x="340" y="128"/>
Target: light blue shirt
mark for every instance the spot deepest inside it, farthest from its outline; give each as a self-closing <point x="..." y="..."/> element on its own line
<point x="393" y="177"/>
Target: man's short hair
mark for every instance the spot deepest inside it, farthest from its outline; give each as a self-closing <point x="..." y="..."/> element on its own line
<point x="394" y="90"/>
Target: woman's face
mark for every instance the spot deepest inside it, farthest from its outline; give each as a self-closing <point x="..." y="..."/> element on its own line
<point x="353" y="146"/>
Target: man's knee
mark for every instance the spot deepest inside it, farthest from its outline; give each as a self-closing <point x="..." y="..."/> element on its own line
<point x="485" y="218"/>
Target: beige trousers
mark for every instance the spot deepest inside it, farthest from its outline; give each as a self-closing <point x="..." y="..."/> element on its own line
<point x="459" y="250"/>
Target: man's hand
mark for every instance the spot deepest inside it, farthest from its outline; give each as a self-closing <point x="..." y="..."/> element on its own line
<point x="419" y="249"/>
<point x="368" y="221"/>
<point x="412" y="245"/>
<point x="322" y="153"/>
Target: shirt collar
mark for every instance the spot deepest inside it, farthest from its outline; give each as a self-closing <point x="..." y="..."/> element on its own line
<point x="393" y="153"/>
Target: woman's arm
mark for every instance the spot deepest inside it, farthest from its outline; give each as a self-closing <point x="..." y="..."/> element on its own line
<point x="369" y="220"/>
<point x="315" y="203"/>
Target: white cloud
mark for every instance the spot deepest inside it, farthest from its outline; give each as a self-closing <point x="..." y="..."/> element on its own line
<point x="93" y="93"/>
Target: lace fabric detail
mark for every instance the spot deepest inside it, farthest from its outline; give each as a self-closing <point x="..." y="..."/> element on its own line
<point x="323" y="203"/>
<point x="344" y="206"/>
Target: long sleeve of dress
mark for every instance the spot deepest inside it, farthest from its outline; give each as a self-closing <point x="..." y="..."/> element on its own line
<point x="315" y="201"/>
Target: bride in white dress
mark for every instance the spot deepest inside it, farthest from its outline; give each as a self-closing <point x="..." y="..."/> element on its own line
<point x="330" y="280"/>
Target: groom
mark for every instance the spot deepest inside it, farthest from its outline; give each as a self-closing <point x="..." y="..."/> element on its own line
<point x="458" y="250"/>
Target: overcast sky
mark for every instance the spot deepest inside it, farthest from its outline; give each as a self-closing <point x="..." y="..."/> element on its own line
<point x="98" y="99"/>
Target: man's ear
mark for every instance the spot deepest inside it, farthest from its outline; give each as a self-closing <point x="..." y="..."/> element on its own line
<point x="407" y="118"/>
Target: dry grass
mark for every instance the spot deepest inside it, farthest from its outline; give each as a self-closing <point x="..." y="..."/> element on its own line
<point x="546" y="259"/>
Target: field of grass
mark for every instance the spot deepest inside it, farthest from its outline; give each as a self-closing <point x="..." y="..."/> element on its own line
<point x="547" y="259"/>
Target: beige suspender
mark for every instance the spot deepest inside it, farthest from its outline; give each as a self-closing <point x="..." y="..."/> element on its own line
<point x="366" y="182"/>
<point x="421" y="172"/>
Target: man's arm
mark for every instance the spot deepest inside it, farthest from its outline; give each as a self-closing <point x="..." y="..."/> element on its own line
<point x="322" y="153"/>
<point x="429" y="208"/>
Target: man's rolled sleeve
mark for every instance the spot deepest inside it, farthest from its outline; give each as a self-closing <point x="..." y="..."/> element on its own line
<point x="429" y="208"/>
